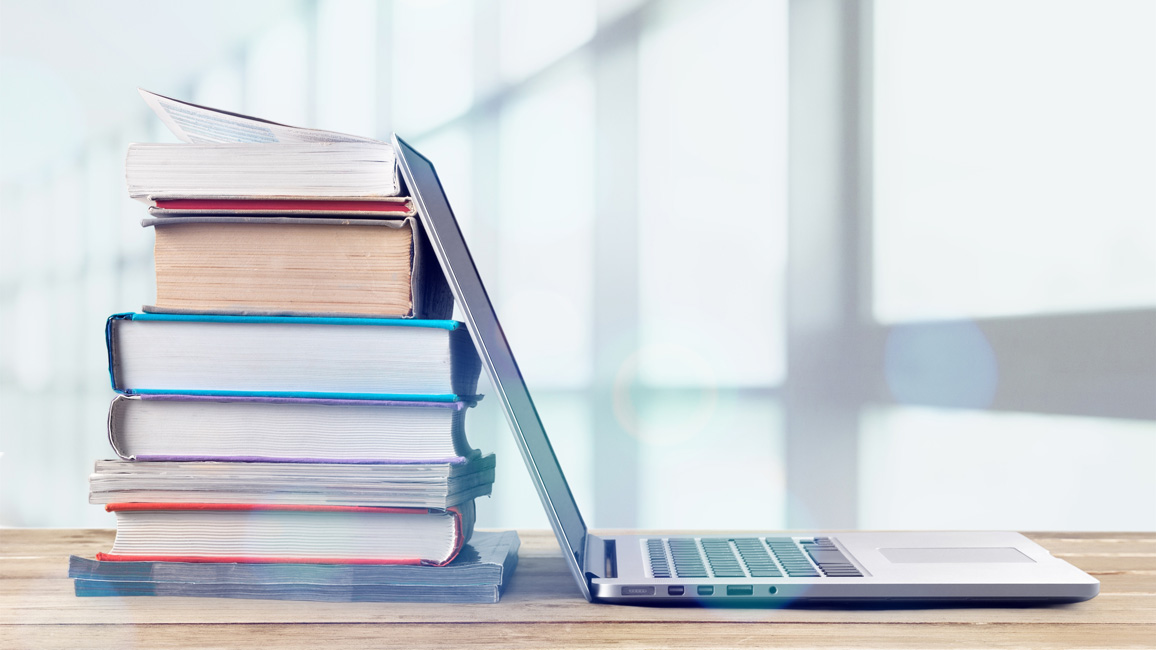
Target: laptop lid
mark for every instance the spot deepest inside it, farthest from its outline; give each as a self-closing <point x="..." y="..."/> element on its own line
<point x="453" y="255"/>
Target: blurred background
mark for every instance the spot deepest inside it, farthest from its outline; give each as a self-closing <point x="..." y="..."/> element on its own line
<point x="765" y="263"/>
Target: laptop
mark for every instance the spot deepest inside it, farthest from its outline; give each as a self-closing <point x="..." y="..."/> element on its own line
<point x="770" y="568"/>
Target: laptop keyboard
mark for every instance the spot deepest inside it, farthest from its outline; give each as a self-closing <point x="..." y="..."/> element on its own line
<point x="742" y="557"/>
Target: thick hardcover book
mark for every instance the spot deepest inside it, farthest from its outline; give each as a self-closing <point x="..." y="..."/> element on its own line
<point x="284" y="356"/>
<point x="478" y="574"/>
<point x="287" y="533"/>
<point x="287" y="429"/>
<point x="297" y="266"/>
<point x="410" y="484"/>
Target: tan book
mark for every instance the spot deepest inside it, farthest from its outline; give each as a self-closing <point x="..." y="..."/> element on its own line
<point x="296" y="266"/>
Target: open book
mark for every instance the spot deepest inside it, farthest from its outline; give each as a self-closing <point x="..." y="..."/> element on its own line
<point x="239" y="164"/>
<point x="200" y="124"/>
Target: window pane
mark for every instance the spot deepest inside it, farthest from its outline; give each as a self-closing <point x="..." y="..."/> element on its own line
<point x="104" y="187"/>
<point x="451" y="151"/>
<point x="545" y="243"/>
<point x="136" y="285"/>
<point x="65" y="313"/>
<point x="712" y="183"/>
<point x="691" y="445"/>
<point x="1015" y="157"/>
<point x="12" y="202"/>
<point x="515" y="502"/>
<point x="34" y="231"/>
<point x="433" y="47"/>
<point x="276" y="74"/>
<point x="30" y="339"/>
<point x="98" y="301"/>
<point x="535" y="34"/>
<point x="612" y="10"/>
<point x="347" y="66"/>
<point x="221" y="87"/>
<point x="930" y="468"/>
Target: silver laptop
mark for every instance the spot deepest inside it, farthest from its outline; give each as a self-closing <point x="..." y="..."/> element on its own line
<point x="723" y="568"/>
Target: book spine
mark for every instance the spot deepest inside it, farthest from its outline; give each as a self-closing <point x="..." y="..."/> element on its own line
<point x="119" y="403"/>
<point x="463" y="528"/>
<point x="110" y="345"/>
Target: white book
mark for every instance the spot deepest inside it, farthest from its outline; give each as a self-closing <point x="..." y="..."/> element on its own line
<point x="321" y="170"/>
<point x="232" y="156"/>
<point x="285" y="356"/>
<point x="287" y="429"/>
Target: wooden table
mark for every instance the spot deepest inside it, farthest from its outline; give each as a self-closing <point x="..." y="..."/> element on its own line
<point x="542" y="608"/>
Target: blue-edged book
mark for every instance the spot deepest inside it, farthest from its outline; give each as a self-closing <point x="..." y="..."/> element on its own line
<point x="287" y="356"/>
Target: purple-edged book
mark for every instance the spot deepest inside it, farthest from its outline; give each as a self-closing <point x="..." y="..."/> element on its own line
<point x="287" y="429"/>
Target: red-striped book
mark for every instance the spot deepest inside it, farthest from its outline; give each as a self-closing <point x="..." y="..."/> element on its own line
<point x="311" y="534"/>
<point x="396" y="207"/>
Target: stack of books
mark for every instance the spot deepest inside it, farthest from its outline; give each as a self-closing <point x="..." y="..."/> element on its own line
<point x="290" y="417"/>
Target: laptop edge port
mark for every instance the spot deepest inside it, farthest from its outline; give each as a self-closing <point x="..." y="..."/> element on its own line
<point x="637" y="591"/>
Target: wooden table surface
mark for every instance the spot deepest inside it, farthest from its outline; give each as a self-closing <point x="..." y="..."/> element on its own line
<point x="542" y="608"/>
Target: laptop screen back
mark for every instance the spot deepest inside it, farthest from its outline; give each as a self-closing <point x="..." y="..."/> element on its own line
<point x="450" y="247"/>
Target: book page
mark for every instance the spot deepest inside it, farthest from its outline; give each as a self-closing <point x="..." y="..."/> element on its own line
<point x="193" y="123"/>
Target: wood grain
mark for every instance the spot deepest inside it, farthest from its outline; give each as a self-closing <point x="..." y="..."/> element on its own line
<point x="542" y="608"/>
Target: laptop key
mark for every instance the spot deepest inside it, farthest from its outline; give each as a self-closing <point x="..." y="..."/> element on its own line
<point x="830" y="559"/>
<point x="687" y="561"/>
<point x="722" y="558"/>
<point x="794" y="562"/>
<point x="757" y="559"/>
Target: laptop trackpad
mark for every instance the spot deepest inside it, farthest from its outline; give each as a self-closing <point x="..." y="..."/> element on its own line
<point x="954" y="555"/>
